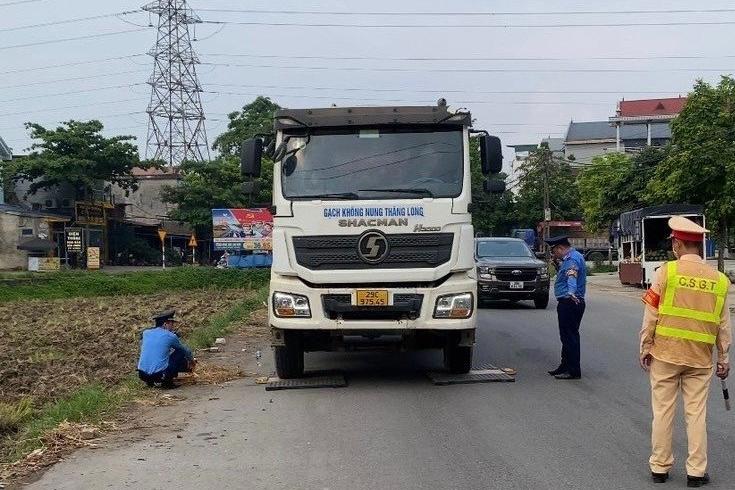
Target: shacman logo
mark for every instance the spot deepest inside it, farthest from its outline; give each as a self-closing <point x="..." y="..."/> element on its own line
<point x="372" y="247"/>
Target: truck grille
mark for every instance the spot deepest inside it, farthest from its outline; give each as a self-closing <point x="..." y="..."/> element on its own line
<point x="407" y="251"/>
<point x="405" y="306"/>
<point x="511" y="274"/>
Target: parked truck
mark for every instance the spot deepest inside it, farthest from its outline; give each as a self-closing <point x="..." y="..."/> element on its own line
<point x="594" y="246"/>
<point x="373" y="244"/>
<point x="642" y="238"/>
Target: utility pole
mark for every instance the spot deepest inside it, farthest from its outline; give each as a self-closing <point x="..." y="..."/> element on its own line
<point x="176" y="130"/>
<point x="545" y="160"/>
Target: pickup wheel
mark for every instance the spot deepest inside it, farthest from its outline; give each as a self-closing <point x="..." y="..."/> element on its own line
<point x="457" y="358"/>
<point x="541" y="302"/>
<point x="290" y="357"/>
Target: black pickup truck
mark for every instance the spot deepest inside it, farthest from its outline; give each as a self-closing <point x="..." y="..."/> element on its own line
<point x="508" y="269"/>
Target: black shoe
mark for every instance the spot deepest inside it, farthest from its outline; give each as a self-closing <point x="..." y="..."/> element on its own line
<point x="168" y="385"/>
<point x="697" y="481"/>
<point x="559" y="370"/>
<point x="567" y="376"/>
<point x="659" y="477"/>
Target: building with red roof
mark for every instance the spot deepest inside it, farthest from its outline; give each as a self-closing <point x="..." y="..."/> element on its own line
<point x="645" y="112"/>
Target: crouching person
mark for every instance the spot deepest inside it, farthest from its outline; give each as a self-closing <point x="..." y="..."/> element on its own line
<point x="162" y="354"/>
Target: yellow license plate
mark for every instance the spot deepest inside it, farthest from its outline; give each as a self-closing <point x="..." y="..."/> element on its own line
<point x="371" y="297"/>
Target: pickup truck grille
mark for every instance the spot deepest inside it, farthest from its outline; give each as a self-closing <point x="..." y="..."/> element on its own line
<point x="405" y="306"/>
<point x="407" y="251"/>
<point x="512" y="274"/>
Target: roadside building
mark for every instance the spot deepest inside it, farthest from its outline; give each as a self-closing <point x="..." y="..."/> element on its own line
<point x="522" y="152"/>
<point x="6" y="154"/>
<point x="25" y="234"/>
<point x="645" y="114"/>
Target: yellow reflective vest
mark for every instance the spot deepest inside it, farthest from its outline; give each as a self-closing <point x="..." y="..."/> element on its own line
<point x="690" y="310"/>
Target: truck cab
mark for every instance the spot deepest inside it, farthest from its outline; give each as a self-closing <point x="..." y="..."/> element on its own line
<point x="373" y="244"/>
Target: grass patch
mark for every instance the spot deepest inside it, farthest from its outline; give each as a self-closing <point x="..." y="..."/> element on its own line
<point x="96" y="283"/>
<point x="13" y="415"/>
<point x="221" y="325"/>
<point x="603" y="269"/>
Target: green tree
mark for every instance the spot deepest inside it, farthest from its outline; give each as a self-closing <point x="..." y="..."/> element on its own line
<point x="218" y="183"/>
<point x="76" y="153"/>
<point x="254" y="118"/>
<point x="616" y="183"/>
<point x="563" y="193"/>
<point x="700" y="168"/>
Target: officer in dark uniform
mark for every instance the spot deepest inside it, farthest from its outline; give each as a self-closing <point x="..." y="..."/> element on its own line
<point x="569" y="289"/>
<point x="162" y="354"/>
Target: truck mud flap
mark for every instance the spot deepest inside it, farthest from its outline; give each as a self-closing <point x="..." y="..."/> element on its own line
<point x="310" y="380"/>
<point x="479" y="374"/>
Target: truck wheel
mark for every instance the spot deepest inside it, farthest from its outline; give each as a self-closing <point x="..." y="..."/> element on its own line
<point x="541" y="302"/>
<point x="290" y="357"/>
<point x="457" y="358"/>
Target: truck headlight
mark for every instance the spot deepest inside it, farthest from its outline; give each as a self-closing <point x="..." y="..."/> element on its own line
<point x="487" y="273"/>
<point x="543" y="272"/>
<point x="454" y="306"/>
<point x="287" y="305"/>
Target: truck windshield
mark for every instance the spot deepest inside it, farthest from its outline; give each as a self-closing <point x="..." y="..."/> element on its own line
<point x="374" y="163"/>
<point x="503" y="248"/>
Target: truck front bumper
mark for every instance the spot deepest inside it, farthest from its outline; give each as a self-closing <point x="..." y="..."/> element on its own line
<point x="412" y="308"/>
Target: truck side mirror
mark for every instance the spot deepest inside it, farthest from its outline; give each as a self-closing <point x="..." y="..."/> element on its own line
<point x="491" y="154"/>
<point x="251" y="154"/>
<point x="494" y="186"/>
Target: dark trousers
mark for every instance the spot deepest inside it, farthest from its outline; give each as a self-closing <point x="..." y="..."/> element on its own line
<point x="570" y="316"/>
<point x="177" y="363"/>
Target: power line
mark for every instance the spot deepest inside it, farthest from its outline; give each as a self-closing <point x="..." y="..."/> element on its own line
<point x="72" y="92"/>
<point x="329" y="97"/>
<point x="78" y="38"/>
<point x="68" y="21"/>
<point x="445" y="91"/>
<point x="475" y="70"/>
<point x="51" y="109"/>
<point x="19" y="2"/>
<point x="99" y="117"/>
<point x="481" y="14"/>
<point x="76" y="63"/>
<point x="61" y="80"/>
<point x="470" y="26"/>
<point x="435" y="58"/>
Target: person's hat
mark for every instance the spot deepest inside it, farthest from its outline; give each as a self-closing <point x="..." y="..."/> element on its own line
<point x="164" y="316"/>
<point x="557" y="240"/>
<point x="686" y="229"/>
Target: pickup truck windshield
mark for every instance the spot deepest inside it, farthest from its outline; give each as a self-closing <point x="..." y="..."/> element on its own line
<point x="503" y="248"/>
<point x="372" y="163"/>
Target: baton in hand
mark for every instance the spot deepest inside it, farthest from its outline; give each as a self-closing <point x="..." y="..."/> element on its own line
<point x="725" y="394"/>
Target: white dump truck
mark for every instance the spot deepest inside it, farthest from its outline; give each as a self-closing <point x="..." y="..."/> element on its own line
<point x="372" y="238"/>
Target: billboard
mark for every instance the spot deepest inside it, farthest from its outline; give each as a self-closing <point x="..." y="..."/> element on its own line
<point x="242" y="229"/>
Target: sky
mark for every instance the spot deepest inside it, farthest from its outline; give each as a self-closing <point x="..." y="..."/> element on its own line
<point x="523" y="79"/>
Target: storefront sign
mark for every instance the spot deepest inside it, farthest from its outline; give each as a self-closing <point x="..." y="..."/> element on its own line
<point x="88" y="213"/>
<point x="44" y="264"/>
<point x="93" y="258"/>
<point x="73" y="240"/>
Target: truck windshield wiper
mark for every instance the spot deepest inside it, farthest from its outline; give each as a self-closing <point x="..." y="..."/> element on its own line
<point x="336" y="195"/>
<point x="424" y="192"/>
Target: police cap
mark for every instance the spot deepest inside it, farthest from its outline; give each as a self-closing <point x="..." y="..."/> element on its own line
<point x="686" y="229"/>
<point x="558" y="240"/>
<point x="164" y="316"/>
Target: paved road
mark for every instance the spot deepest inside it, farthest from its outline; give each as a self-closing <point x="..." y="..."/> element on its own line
<point x="392" y="429"/>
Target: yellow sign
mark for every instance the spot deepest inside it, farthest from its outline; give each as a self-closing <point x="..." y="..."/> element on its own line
<point x="193" y="242"/>
<point x="162" y="234"/>
<point x="88" y="213"/>
<point x="93" y="258"/>
<point x="370" y="297"/>
<point x="265" y="244"/>
<point x="44" y="264"/>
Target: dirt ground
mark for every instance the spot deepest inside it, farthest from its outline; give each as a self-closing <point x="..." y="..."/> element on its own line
<point x="51" y="348"/>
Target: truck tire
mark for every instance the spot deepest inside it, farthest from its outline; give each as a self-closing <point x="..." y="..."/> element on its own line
<point x="541" y="302"/>
<point x="457" y="358"/>
<point x="290" y="357"/>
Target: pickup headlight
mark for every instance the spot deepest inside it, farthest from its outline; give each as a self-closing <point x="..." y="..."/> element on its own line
<point x="544" y="272"/>
<point x="487" y="273"/>
<point x="454" y="306"/>
<point x="291" y="306"/>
